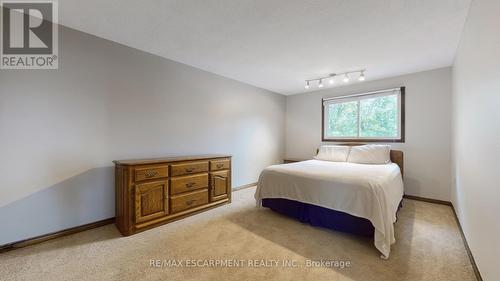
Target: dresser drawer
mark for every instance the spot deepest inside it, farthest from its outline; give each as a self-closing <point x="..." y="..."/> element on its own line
<point x="183" y="202"/>
<point x="188" y="183"/>
<point x="222" y="164"/>
<point x="152" y="172"/>
<point x="189" y="168"/>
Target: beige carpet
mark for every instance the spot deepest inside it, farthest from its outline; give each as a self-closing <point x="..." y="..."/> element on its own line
<point x="428" y="247"/>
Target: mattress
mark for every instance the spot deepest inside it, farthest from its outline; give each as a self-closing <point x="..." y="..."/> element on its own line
<point x="372" y="192"/>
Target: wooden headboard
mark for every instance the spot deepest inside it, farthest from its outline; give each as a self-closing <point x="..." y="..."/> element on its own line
<point x="396" y="155"/>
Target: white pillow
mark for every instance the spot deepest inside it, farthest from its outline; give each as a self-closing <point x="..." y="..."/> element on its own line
<point x="336" y="153"/>
<point x="370" y="154"/>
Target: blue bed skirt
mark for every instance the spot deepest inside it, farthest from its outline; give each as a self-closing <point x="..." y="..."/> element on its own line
<point x="319" y="216"/>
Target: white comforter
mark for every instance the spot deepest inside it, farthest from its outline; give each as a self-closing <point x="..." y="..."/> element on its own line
<point x="372" y="192"/>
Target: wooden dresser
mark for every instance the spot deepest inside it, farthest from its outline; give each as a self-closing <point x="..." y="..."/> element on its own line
<point x="151" y="192"/>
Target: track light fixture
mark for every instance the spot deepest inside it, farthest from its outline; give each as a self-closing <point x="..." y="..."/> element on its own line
<point x="331" y="78"/>
<point x="362" y="76"/>
<point x="346" y="78"/>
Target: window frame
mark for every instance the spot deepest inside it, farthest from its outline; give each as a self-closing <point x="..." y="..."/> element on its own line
<point x="358" y="97"/>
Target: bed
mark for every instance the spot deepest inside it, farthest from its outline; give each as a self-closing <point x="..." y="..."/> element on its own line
<point x="357" y="198"/>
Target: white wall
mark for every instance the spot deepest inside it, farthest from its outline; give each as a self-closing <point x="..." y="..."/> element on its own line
<point x="60" y="129"/>
<point x="428" y="113"/>
<point x="476" y="135"/>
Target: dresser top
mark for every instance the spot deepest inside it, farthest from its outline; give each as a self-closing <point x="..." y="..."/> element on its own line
<point x="131" y="162"/>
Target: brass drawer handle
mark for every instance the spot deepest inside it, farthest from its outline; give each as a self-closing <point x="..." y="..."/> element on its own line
<point x="220" y="165"/>
<point x="189" y="170"/>
<point x="190" y="202"/>
<point x="190" y="184"/>
<point x="150" y="174"/>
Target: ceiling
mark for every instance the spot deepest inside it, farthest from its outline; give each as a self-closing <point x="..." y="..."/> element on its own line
<point x="277" y="44"/>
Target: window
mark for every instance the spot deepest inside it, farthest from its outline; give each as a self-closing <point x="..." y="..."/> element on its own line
<point x="374" y="116"/>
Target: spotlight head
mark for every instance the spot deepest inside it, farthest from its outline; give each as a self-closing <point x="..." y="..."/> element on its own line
<point x="362" y="76"/>
<point x="331" y="81"/>
<point x="320" y="85"/>
<point x="346" y="78"/>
